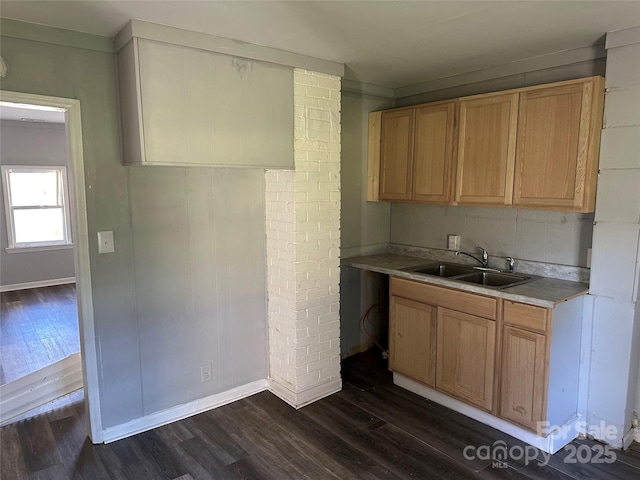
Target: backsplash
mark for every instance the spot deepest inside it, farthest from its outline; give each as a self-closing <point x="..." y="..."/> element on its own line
<point x="527" y="235"/>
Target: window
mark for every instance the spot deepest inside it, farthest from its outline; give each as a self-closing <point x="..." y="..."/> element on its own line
<point x="37" y="206"/>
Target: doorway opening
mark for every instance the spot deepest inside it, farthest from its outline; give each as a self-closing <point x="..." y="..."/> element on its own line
<point x="47" y="299"/>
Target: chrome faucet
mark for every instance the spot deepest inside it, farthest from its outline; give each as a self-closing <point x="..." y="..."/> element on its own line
<point x="484" y="260"/>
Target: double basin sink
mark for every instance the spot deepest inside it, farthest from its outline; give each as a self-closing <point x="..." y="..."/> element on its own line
<point x="475" y="275"/>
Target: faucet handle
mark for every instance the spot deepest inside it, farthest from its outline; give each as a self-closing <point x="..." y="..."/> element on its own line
<point x="485" y="255"/>
<point x="511" y="261"/>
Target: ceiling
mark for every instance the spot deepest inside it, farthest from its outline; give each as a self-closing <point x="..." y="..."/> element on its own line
<point x="387" y="43"/>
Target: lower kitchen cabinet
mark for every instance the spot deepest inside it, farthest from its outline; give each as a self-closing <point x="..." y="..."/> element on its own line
<point x="508" y="362"/>
<point x="465" y="357"/>
<point x="523" y="377"/>
<point x="412" y="340"/>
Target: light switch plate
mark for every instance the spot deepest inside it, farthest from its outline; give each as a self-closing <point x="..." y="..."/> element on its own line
<point x="588" y="257"/>
<point x="453" y="242"/>
<point x="105" y="242"/>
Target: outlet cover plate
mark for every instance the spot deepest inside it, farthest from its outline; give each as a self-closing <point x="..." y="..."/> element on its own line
<point x="105" y="242"/>
<point x="206" y="373"/>
<point x="453" y="242"/>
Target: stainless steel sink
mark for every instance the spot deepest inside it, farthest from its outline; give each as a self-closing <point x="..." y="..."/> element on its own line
<point x="441" y="269"/>
<point x="468" y="274"/>
<point x="494" y="279"/>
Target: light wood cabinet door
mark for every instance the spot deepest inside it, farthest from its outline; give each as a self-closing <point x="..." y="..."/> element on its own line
<point x="412" y="340"/>
<point x="558" y="146"/>
<point x="486" y="150"/>
<point x="433" y="157"/>
<point x="523" y="377"/>
<point x="396" y="154"/>
<point x="466" y="357"/>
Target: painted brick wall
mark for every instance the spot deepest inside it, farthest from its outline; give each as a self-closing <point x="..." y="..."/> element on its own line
<point x="303" y="248"/>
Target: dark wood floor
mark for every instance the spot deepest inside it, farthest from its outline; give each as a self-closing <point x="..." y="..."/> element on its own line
<point x="370" y="430"/>
<point x="37" y="327"/>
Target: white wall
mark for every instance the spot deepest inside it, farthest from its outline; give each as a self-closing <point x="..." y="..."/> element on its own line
<point x="38" y="144"/>
<point x="616" y="243"/>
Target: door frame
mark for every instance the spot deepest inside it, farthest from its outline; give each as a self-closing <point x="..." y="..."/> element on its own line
<point x="80" y="232"/>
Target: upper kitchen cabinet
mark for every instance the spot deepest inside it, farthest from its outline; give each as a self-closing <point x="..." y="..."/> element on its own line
<point x="434" y="153"/>
<point x="486" y="149"/>
<point x="532" y="147"/>
<point x="416" y="153"/>
<point x="558" y="145"/>
<point x="396" y="154"/>
<point x="189" y="106"/>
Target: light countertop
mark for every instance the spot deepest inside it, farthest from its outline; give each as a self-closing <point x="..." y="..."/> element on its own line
<point x="543" y="291"/>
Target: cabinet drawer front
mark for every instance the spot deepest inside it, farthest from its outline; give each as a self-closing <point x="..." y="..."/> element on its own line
<point x="526" y="316"/>
<point x="470" y="303"/>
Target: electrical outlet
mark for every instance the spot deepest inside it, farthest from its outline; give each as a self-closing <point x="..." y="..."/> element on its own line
<point x="205" y="373"/>
<point x="453" y="242"/>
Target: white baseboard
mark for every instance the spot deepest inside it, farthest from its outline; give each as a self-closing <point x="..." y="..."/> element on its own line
<point x="157" y="419"/>
<point x="300" y="399"/>
<point x="40" y="387"/>
<point x="550" y="444"/>
<point x="633" y="435"/>
<point x="38" y="284"/>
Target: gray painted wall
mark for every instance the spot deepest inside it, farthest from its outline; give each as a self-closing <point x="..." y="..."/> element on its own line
<point x="536" y="235"/>
<point x="556" y="74"/>
<point x="32" y="144"/>
<point x="183" y="286"/>
<point x="364" y="225"/>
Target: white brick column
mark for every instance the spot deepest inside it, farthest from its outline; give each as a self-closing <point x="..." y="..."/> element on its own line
<point x="303" y="245"/>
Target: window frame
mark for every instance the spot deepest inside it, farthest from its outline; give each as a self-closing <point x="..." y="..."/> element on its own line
<point x="13" y="246"/>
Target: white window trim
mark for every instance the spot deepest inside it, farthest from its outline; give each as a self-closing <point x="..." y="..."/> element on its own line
<point x="14" y="247"/>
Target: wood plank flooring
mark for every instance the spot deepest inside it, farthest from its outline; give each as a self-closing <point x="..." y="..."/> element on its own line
<point x="37" y="327"/>
<point x="370" y="430"/>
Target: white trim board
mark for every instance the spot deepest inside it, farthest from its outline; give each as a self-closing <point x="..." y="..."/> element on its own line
<point x="527" y="65"/>
<point x="301" y="399"/>
<point x="79" y="226"/>
<point x="40" y="387"/>
<point x="163" y="417"/>
<point x="213" y="43"/>
<point x="37" y="284"/>
<point x="629" y="437"/>
<point x="621" y="38"/>
<point x="179" y="412"/>
<point x="548" y="444"/>
<point x="55" y="35"/>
